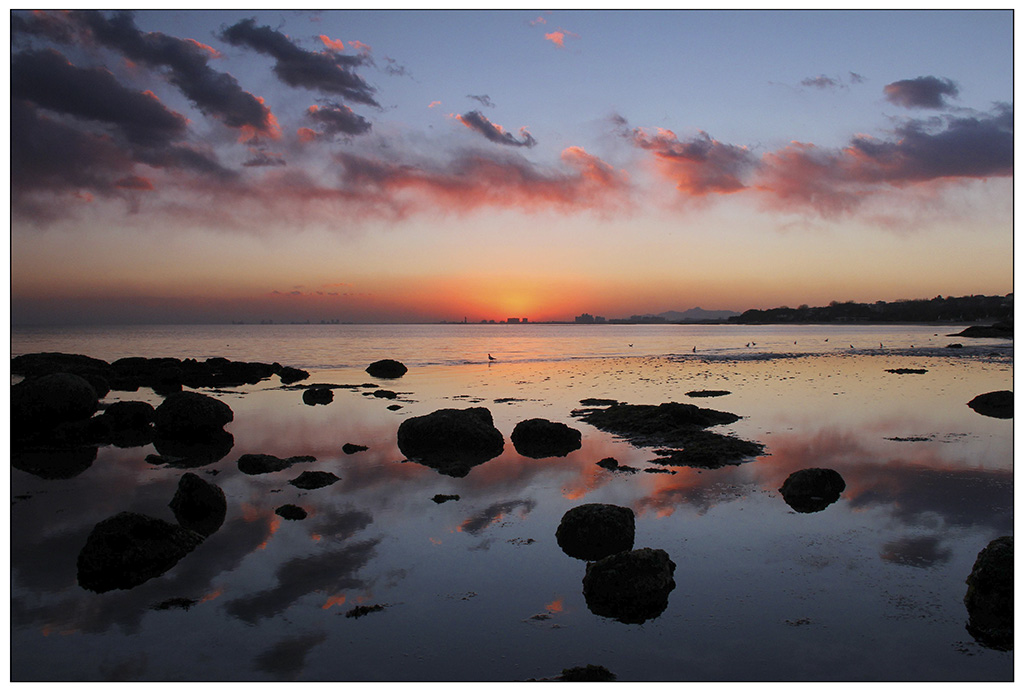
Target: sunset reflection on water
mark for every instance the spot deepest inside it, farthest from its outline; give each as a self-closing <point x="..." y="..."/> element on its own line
<point x="928" y="484"/>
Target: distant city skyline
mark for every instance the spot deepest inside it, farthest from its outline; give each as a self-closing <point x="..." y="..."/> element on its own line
<point x="425" y="166"/>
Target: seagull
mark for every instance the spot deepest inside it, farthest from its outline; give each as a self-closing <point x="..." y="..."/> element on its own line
<point x="695" y="349"/>
<point x="490" y="357"/>
<point x="630" y="345"/>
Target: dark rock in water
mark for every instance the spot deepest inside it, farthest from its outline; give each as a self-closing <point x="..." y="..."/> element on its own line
<point x="603" y="402"/>
<point x="955" y="345"/>
<point x="595" y="531"/>
<point x="394" y="407"/>
<point x="588" y="673"/>
<point x="291" y="512"/>
<point x="188" y="414"/>
<point x="191" y="452"/>
<point x="704" y="449"/>
<point x="997" y="330"/>
<point x="318" y="395"/>
<point x="677" y="430"/>
<point x="260" y="463"/>
<point x="122" y="415"/>
<point x="384" y="393"/>
<point x="363" y="610"/>
<point x="42" y="403"/>
<point x="997" y="404"/>
<point x="442" y="498"/>
<point x="387" y="369"/>
<point x="199" y="505"/>
<point x="906" y="370"/>
<point x="812" y="489"/>
<point x="707" y="393"/>
<point x="989" y="598"/>
<point x="54" y="464"/>
<point x="314" y="479"/>
<point x="290" y="375"/>
<point x="451" y="441"/>
<point x="183" y="603"/>
<point x="630" y="587"/>
<point x="613" y="465"/>
<point x="128" y="549"/>
<point x="353" y="448"/>
<point x="539" y="438"/>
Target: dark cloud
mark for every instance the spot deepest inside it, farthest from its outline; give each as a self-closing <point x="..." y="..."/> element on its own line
<point x="333" y="119"/>
<point x="857" y="78"/>
<point x="821" y="82"/>
<point x="484" y="99"/>
<point x="329" y="72"/>
<point x="52" y="25"/>
<point x="836" y="180"/>
<point x="476" y="121"/>
<point x="394" y="69"/>
<point x="214" y="93"/>
<point x="922" y="92"/>
<point x="49" y="80"/>
<point x="261" y="158"/>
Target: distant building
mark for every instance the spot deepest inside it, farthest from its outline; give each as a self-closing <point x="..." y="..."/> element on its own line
<point x="512" y="320"/>
<point x="585" y="319"/>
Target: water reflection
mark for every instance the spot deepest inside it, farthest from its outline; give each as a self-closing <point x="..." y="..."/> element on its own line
<point x="909" y="509"/>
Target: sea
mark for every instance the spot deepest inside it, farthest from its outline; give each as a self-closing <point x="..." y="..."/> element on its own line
<point x="401" y="571"/>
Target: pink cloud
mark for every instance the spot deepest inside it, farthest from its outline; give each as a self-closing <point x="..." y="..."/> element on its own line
<point x="558" y="37"/>
<point x="332" y="43"/>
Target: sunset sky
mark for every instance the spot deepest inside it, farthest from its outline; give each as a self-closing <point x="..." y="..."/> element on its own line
<point x="188" y="166"/>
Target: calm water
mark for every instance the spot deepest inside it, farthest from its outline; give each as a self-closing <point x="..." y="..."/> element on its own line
<point x="871" y="588"/>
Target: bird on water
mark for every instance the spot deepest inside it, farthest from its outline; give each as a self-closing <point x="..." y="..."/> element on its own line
<point x="490" y="357"/>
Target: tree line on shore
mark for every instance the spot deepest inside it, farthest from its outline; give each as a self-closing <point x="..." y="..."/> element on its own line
<point x="953" y="309"/>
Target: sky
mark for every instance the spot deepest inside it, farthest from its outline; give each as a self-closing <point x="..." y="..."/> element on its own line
<point x="418" y="166"/>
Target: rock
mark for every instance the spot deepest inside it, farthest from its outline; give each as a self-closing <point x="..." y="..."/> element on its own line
<point x="384" y="393"/>
<point x="594" y="531"/>
<point x="353" y="448"/>
<point x="676" y="430"/>
<point x="955" y="345"/>
<point x="261" y="463"/>
<point x="363" y="610"/>
<point x="588" y="673"/>
<point x="708" y="393"/>
<point x="317" y="395"/>
<point x="291" y="512"/>
<point x="128" y="549"/>
<point x="314" y="479"/>
<point x="199" y="505"/>
<point x="387" y="369"/>
<point x="602" y="402"/>
<point x="290" y="375"/>
<point x="630" y="587"/>
<point x="42" y="403"/>
<point x="539" y="438"/>
<point x="129" y="415"/>
<point x="54" y="464"/>
<point x="997" y="330"/>
<point x="394" y="406"/>
<point x="451" y="441"/>
<point x="442" y="498"/>
<point x="989" y="597"/>
<point x="997" y="404"/>
<point x="907" y="370"/>
<point x="812" y="489"/>
<point x="187" y="414"/>
<point x="613" y="465"/>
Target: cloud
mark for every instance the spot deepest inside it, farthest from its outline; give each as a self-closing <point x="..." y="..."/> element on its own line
<point x="49" y="80"/>
<point x="333" y="119"/>
<point x="328" y="72"/>
<point x="558" y="37"/>
<point x="434" y="104"/>
<point x="476" y="121"/>
<point x="331" y="44"/>
<point x="262" y="158"/>
<point x="821" y="82"/>
<point x="538" y="20"/>
<point x="134" y="182"/>
<point x="922" y="92"/>
<point x="856" y="78"/>
<point x="484" y="99"/>
<point x="473" y="180"/>
<point x="833" y="181"/>
<point x="214" y="93"/>
<point x="699" y="165"/>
